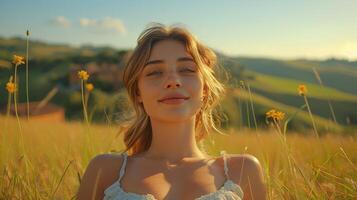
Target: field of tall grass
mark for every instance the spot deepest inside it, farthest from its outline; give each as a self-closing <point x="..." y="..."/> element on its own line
<point x="53" y="156"/>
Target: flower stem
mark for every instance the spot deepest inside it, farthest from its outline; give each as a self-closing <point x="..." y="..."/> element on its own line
<point x="8" y="105"/>
<point x="83" y="102"/>
<point x="86" y="97"/>
<point x="17" y="115"/>
<point x="312" y="119"/>
<point x="287" y="151"/>
<point x="27" y="77"/>
<point x="15" y="93"/>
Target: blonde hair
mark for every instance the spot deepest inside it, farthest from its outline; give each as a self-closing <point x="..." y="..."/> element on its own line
<point x="138" y="135"/>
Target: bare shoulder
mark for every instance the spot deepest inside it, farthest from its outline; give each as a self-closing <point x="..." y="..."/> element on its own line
<point x="101" y="172"/>
<point x="246" y="170"/>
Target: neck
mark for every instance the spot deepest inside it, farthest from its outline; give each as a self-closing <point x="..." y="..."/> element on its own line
<point x="173" y="141"/>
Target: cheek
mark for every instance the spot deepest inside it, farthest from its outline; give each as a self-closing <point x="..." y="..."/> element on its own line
<point x="195" y="88"/>
<point x="195" y="85"/>
<point x="145" y="91"/>
<point x="149" y="94"/>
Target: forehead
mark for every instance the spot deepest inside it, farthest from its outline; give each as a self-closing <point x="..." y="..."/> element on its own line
<point x="168" y="49"/>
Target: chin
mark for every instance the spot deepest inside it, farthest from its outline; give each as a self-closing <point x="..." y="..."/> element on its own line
<point x="173" y="117"/>
<point x="173" y="114"/>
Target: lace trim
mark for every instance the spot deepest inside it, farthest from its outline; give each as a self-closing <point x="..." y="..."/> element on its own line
<point x="229" y="191"/>
<point x="115" y="192"/>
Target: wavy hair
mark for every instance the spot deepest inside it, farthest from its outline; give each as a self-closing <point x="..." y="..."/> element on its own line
<point x="138" y="133"/>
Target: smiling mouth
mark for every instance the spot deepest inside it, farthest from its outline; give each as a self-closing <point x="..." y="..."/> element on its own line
<point x="173" y="100"/>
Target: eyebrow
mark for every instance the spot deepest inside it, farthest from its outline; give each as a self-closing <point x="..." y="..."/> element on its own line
<point x="161" y="61"/>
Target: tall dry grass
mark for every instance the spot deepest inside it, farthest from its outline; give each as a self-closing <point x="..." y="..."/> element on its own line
<point x="57" y="154"/>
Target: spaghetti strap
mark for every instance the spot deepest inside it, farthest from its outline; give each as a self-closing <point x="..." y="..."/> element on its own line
<point x="122" y="169"/>
<point x="223" y="154"/>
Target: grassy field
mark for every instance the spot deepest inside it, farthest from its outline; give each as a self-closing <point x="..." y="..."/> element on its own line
<point x="53" y="156"/>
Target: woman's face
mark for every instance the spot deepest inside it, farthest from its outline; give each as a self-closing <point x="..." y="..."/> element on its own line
<point x="170" y="84"/>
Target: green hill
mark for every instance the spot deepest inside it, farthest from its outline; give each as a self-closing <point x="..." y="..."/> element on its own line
<point x="273" y="83"/>
<point x="338" y="74"/>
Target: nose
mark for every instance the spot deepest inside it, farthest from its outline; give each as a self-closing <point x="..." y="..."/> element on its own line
<point x="173" y="81"/>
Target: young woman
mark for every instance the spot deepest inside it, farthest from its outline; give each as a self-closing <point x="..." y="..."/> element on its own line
<point x="173" y="89"/>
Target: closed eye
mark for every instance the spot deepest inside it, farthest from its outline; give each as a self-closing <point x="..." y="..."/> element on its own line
<point x="187" y="70"/>
<point x="154" y="73"/>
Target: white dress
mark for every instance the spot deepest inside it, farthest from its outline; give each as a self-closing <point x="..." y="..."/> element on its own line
<point x="228" y="191"/>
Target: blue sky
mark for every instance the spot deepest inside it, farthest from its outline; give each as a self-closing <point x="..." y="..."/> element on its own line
<point x="277" y="28"/>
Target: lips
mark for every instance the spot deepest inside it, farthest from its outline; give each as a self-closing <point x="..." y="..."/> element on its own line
<point x="173" y="97"/>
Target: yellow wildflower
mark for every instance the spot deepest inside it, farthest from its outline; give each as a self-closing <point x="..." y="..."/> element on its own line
<point x="89" y="87"/>
<point x="276" y="115"/>
<point x="302" y="90"/>
<point x="83" y="75"/>
<point x="279" y="116"/>
<point x="270" y="113"/>
<point x="10" y="87"/>
<point x="18" y="60"/>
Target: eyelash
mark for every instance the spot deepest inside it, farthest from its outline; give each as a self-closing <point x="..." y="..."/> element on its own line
<point x="156" y="72"/>
<point x="152" y="73"/>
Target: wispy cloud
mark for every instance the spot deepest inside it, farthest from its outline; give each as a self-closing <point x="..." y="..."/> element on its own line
<point x="104" y="25"/>
<point x="60" y="21"/>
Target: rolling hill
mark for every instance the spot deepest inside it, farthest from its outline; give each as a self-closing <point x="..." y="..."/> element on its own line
<point x="273" y="82"/>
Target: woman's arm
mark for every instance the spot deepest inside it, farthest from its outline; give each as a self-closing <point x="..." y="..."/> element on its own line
<point x="88" y="188"/>
<point x="102" y="171"/>
<point x="248" y="174"/>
